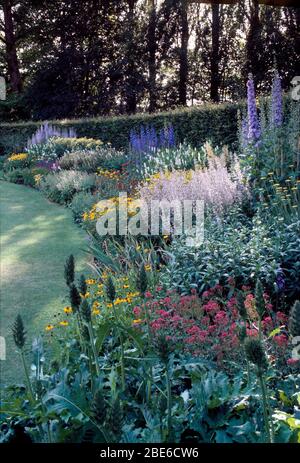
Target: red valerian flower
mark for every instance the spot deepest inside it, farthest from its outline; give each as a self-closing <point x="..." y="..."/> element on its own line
<point x="281" y="317"/>
<point x="209" y="325"/>
<point x="281" y="340"/>
<point x="292" y="361"/>
<point x="211" y="307"/>
<point x="251" y="332"/>
<point x="137" y="311"/>
<point x="246" y="288"/>
<point x="148" y="295"/>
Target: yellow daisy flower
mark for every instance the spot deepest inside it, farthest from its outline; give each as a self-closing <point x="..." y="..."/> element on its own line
<point x="68" y="309"/>
<point x="64" y="323"/>
<point x="49" y="327"/>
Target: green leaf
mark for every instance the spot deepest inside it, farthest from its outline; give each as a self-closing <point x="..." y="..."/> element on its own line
<point x="101" y="334"/>
<point x="103" y="259"/>
<point x="137" y="338"/>
<point x="222" y="437"/>
<point x="284" y="398"/>
<point x="274" y="332"/>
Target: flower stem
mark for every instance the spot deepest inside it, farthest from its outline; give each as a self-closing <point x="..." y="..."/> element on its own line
<point x="30" y="392"/>
<point x="265" y="407"/>
<point x="150" y="380"/>
<point x="28" y="382"/>
<point x="79" y="333"/>
<point x="91" y="334"/>
<point x="122" y="363"/>
<point x="122" y="350"/>
<point x="169" y="404"/>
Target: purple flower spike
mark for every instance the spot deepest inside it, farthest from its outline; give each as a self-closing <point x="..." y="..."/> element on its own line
<point x="253" y="121"/>
<point x="47" y="131"/>
<point x="245" y="132"/>
<point x="276" y="105"/>
<point x="147" y="140"/>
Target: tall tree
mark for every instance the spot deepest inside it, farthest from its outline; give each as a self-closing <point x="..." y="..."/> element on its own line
<point x="131" y="64"/>
<point x="214" y="68"/>
<point x="183" y="64"/>
<point x="97" y="57"/>
<point x="13" y="69"/>
<point x="152" y="49"/>
<point x="254" y="44"/>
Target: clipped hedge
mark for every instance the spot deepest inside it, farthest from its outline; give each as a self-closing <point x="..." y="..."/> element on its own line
<point x="217" y="123"/>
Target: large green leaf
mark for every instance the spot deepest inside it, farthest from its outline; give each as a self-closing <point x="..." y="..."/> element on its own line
<point x="101" y="334"/>
<point x="137" y="338"/>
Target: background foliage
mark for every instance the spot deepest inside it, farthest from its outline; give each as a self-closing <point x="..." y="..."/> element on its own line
<point x="215" y="122"/>
<point x="75" y="58"/>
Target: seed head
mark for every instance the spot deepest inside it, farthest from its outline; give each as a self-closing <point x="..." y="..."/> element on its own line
<point x="19" y="332"/>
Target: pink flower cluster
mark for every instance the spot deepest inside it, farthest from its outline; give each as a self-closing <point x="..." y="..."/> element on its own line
<point x="210" y="325"/>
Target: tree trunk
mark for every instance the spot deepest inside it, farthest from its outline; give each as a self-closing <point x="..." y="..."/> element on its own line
<point x="254" y="46"/>
<point x="11" y="52"/>
<point x="131" y="98"/>
<point x="152" y="46"/>
<point x="214" y="68"/>
<point x="183" y="65"/>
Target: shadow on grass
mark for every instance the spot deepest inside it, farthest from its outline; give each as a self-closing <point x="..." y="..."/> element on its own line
<point x="36" y="238"/>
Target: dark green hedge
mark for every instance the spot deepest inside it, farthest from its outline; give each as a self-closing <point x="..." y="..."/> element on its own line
<point x="217" y="123"/>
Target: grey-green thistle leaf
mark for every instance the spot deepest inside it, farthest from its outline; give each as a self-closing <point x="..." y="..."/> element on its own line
<point x="162" y="404"/>
<point x="294" y="320"/>
<point x="98" y="407"/>
<point x="19" y="332"/>
<point x="115" y="419"/>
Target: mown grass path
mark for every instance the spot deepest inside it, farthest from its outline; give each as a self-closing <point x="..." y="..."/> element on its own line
<point x="36" y="238"/>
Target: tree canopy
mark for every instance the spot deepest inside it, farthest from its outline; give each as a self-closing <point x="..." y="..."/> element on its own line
<point x="73" y="58"/>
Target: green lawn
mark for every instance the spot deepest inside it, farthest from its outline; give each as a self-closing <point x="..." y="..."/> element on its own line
<point x="36" y="238"/>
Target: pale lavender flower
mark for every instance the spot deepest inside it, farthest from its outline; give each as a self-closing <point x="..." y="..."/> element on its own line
<point x="276" y="103"/>
<point x="244" y="132"/>
<point x="254" y="130"/>
<point x="216" y="186"/>
<point x="46" y="131"/>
